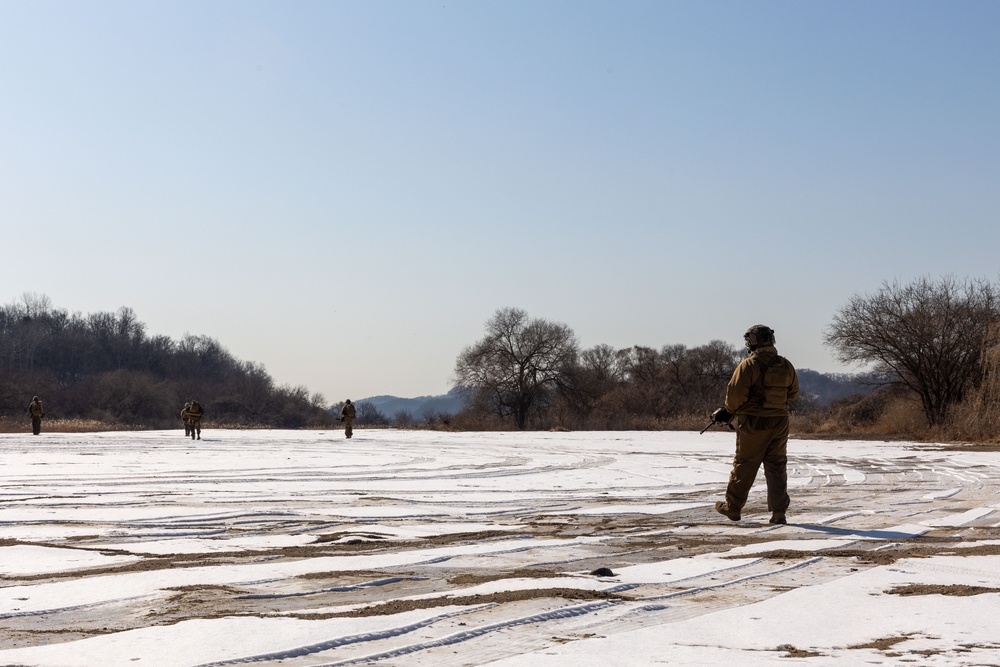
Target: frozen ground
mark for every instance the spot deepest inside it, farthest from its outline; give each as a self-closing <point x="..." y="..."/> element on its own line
<point x="418" y="548"/>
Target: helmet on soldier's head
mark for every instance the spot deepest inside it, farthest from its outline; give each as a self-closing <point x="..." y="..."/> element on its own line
<point x="758" y="335"/>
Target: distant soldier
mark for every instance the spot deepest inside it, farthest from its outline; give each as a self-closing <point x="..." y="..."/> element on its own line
<point x="195" y="413"/>
<point x="186" y="418"/>
<point x="347" y="415"/>
<point x="36" y="411"/>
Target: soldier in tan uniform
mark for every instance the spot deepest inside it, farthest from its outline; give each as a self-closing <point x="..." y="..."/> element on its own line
<point x="192" y="414"/>
<point x="36" y="411"/>
<point x="347" y="415"/>
<point x="758" y="395"/>
<point x="186" y="418"/>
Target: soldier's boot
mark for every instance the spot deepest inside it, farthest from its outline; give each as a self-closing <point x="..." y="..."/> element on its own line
<point x="725" y="510"/>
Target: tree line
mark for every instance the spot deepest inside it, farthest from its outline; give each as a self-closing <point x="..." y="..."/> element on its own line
<point x="936" y="345"/>
<point x="531" y="373"/>
<point x="930" y="351"/>
<point x="105" y="367"/>
<point x="930" y="348"/>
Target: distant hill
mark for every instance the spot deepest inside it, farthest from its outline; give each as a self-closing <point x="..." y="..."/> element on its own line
<point x="421" y="406"/>
<point x="825" y="388"/>
<point x="105" y="368"/>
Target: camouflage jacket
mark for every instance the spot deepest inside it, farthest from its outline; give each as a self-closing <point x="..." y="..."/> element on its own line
<point x="763" y="384"/>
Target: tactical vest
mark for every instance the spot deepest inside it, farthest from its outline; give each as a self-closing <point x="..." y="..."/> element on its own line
<point x="770" y="388"/>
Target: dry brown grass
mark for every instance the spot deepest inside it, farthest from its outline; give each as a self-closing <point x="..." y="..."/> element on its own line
<point x="977" y="418"/>
<point x="8" y="425"/>
<point x="887" y="414"/>
<point x="895" y="414"/>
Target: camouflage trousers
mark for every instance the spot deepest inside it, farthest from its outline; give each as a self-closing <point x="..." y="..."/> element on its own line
<point x="760" y="440"/>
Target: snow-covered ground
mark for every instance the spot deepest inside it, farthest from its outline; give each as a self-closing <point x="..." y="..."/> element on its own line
<point x="421" y="548"/>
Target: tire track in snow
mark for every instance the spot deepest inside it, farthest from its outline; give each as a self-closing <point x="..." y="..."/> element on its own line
<point x="454" y="638"/>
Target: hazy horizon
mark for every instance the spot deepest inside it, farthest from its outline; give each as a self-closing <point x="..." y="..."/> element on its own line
<point x="346" y="192"/>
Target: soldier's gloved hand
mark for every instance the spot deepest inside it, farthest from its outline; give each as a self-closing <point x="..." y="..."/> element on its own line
<point x="722" y="416"/>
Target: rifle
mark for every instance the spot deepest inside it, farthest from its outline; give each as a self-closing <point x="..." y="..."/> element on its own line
<point x="720" y="416"/>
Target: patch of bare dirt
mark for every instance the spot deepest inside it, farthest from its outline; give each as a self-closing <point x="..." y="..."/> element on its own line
<point x="979" y="550"/>
<point x="399" y="606"/>
<point x="479" y="536"/>
<point x="203" y="588"/>
<point x="956" y="590"/>
<point x="349" y="538"/>
<point x="880" y="557"/>
<point x="576" y="636"/>
<point x="969" y="647"/>
<point x="342" y="574"/>
<point x="885" y="556"/>
<point x="151" y="562"/>
<point x="204" y="601"/>
<point x="883" y="643"/>
<point x="522" y="573"/>
<point x="363" y="541"/>
<point x="792" y="652"/>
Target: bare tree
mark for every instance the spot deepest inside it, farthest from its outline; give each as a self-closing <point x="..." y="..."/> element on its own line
<point x="519" y="364"/>
<point x="36" y="305"/>
<point x="598" y="371"/>
<point x="926" y="335"/>
<point x="646" y="391"/>
<point x="710" y="367"/>
<point x="369" y="414"/>
<point x="403" y="419"/>
<point x="252" y="391"/>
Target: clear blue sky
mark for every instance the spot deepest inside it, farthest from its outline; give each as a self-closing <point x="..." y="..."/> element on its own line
<point x="347" y="191"/>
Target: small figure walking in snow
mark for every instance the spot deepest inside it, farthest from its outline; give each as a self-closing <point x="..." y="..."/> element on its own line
<point x="347" y="415"/>
<point x="186" y="418"/>
<point x="191" y="416"/>
<point x="36" y="411"/>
